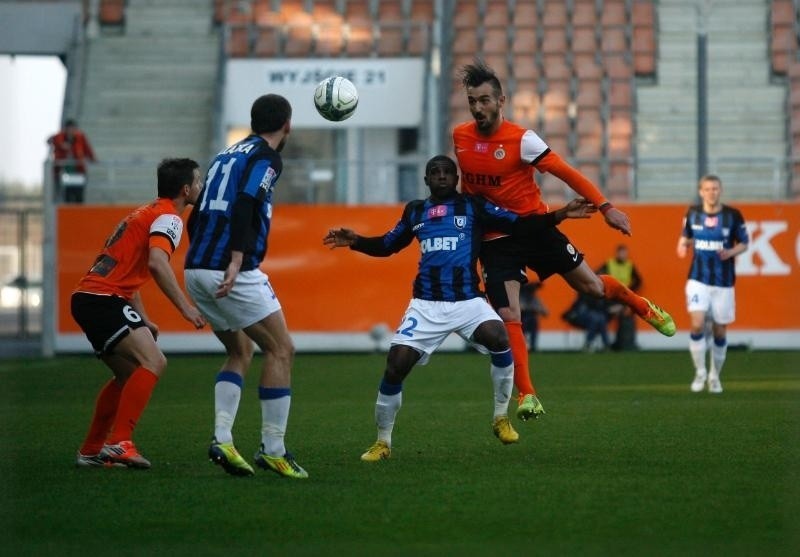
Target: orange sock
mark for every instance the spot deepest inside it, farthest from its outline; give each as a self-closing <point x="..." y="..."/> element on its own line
<point x="615" y="290"/>
<point x="519" y="349"/>
<point x="133" y="400"/>
<point x="105" y="408"/>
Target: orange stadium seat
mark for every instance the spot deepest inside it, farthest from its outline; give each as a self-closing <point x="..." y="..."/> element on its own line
<point x="556" y="67"/>
<point x="465" y="42"/>
<point x="112" y="12"/>
<point x="238" y="44"/>
<point x="617" y="67"/>
<point x="466" y="16"/>
<point x="555" y="15"/>
<point x="525" y="68"/>
<point x="620" y="95"/>
<point x="418" y="37"/>
<point x="554" y="40"/>
<point x="390" y="11"/>
<point x="330" y="39"/>
<point x="584" y="14"/>
<point x="496" y="14"/>
<point x="613" y="13"/>
<point x="499" y="63"/>
<point x="390" y="39"/>
<point x="592" y="169"/>
<point x="421" y="10"/>
<point x="584" y="40"/>
<point x="614" y="40"/>
<point x="525" y="14"/>
<point x="495" y="41"/>
<point x="644" y="50"/>
<point x="643" y="14"/>
<point x="586" y="67"/>
<point x="299" y="34"/>
<point x="589" y="94"/>
<point x="524" y="41"/>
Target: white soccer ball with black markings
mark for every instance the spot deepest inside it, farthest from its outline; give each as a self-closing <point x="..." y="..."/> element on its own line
<point x="336" y="98"/>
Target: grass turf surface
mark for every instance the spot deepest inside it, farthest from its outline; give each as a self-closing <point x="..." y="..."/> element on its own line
<point x="625" y="462"/>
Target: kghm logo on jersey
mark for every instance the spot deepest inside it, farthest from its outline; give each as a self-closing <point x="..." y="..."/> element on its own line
<point x="460" y="221"/>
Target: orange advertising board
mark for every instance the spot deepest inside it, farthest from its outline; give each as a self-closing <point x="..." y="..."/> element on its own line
<point x="340" y="291"/>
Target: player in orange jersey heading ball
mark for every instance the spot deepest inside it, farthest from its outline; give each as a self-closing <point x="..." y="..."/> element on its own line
<point x="107" y="306"/>
<point x="497" y="160"/>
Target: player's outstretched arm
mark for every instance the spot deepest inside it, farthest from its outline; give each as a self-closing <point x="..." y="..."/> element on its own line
<point x="577" y="208"/>
<point x="341" y="238"/>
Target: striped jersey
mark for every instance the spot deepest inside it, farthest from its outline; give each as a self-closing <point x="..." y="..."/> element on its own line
<point x="250" y="167"/>
<point x="710" y="233"/>
<point x="122" y="266"/>
<point x="449" y="234"/>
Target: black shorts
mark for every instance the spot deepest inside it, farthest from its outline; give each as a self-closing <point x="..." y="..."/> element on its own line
<point x="504" y="259"/>
<point x="105" y="319"/>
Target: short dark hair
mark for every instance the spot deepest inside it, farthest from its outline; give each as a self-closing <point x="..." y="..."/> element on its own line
<point x="173" y="174"/>
<point x="441" y="158"/>
<point x="269" y="113"/>
<point x="478" y="73"/>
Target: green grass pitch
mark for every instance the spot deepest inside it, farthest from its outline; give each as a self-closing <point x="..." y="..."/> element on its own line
<point x="626" y="461"/>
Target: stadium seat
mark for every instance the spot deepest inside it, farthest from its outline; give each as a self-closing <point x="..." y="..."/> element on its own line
<point x="613" y="13"/>
<point x="466" y="16"/>
<point x="360" y="40"/>
<point x="644" y="51"/>
<point x="525" y="68"/>
<point x="421" y="10"/>
<point x="556" y="67"/>
<point x="525" y="14"/>
<point x="524" y="41"/>
<point x="330" y="38"/>
<point x="112" y="12"/>
<point x="391" y="38"/>
<point x="584" y="40"/>
<point x="555" y="15"/>
<point x="526" y="103"/>
<point x="554" y="41"/>
<point x="584" y="14"/>
<point x="465" y="42"/>
<point x="268" y="40"/>
<point x="620" y="95"/>
<point x="499" y="63"/>
<point x="495" y="40"/>
<point x="299" y="34"/>
<point x="586" y="67"/>
<point x="496" y="14"/>
<point x="617" y="67"/>
<point x="418" y="38"/>
<point x="238" y="43"/>
<point x="592" y="169"/>
<point x="613" y="41"/>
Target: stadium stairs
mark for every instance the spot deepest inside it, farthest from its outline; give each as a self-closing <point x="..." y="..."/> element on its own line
<point x="149" y="92"/>
<point x="746" y="109"/>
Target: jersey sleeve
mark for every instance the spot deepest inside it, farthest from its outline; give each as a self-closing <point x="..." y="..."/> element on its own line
<point x="393" y="241"/>
<point x="740" y="228"/>
<point x="259" y="179"/>
<point x="532" y="147"/>
<point x="166" y="232"/>
<point x="686" y="231"/>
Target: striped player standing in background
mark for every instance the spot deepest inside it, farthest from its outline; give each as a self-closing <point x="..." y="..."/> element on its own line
<point x="717" y="234"/>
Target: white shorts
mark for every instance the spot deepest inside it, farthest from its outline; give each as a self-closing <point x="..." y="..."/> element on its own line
<point x="250" y="300"/>
<point x="427" y="324"/>
<point x="717" y="301"/>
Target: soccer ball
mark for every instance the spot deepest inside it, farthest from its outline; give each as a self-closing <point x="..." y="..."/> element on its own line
<point x="336" y="98"/>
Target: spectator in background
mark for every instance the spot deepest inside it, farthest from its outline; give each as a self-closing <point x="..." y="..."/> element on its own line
<point x="71" y="150"/>
<point x="591" y="314"/>
<point x="622" y="268"/>
<point x="531" y="307"/>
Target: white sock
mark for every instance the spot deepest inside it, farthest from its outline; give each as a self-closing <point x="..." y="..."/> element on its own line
<point x="718" y="354"/>
<point x="227" y="395"/>
<point x="697" y="348"/>
<point x="386" y="408"/>
<point x="274" y="417"/>
<point x="503" y="382"/>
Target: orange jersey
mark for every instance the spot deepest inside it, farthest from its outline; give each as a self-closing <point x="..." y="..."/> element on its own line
<point x="500" y="167"/>
<point x="122" y="266"/>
